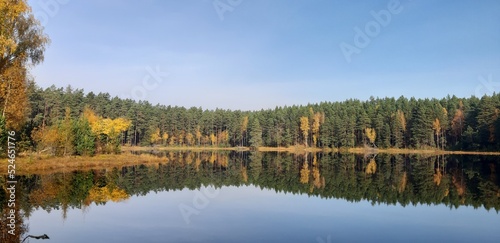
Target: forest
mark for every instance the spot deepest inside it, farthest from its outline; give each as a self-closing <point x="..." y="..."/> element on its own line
<point x="67" y="121"/>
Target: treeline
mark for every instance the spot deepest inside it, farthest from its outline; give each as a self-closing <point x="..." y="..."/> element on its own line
<point x="400" y="179"/>
<point x="448" y="123"/>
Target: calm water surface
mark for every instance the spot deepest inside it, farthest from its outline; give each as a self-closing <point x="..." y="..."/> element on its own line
<point x="233" y="197"/>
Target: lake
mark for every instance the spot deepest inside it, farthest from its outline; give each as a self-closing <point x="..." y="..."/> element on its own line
<point x="266" y="197"/>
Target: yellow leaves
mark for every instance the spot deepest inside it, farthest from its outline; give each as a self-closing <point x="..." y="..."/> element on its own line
<point x="13" y="98"/>
<point x="164" y="137"/>
<point x="112" y="127"/>
<point x="198" y="134"/>
<point x="318" y="118"/>
<point x="371" y="134"/>
<point x="106" y="126"/>
<point x="244" y="124"/>
<point x="213" y="139"/>
<point x="189" y="139"/>
<point x="319" y="181"/>
<point x="12" y="9"/>
<point x="222" y="137"/>
<point x="104" y="194"/>
<point x="91" y="117"/>
<point x="316" y="122"/>
<point x="213" y="158"/>
<point x="371" y="167"/>
<point x="120" y="124"/>
<point x="436" y="126"/>
<point x="438" y="176"/>
<point x="155" y="136"/>
<point x="222" y="160"/>
<point x="304" y="127"/>
<point x="304" y="173"/>
<point x="172" y="140"/>
<point x="313" y="127"/>
<point x="21" y="40"/>
<point x="180" y="137"/>
<point x="9" y="12"/>
<point x="47" y="138"/>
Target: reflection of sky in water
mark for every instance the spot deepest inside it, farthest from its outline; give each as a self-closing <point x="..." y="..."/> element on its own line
<point x="249" y="214"/>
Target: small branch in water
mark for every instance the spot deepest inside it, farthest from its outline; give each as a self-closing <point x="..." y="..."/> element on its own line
<point x="43" y="237"/>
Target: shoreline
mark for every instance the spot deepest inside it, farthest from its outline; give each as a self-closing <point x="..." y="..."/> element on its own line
<point x="302" y="149"/>
<point x="42" y="164"/>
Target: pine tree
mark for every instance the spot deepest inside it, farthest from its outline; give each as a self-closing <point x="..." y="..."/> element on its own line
<point x="255" y="134"/>
<point x="421" y="126"/>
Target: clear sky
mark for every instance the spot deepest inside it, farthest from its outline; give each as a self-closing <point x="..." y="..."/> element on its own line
<point x="253" y="54"/>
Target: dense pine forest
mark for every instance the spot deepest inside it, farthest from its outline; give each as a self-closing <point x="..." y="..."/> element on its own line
<point x="67" y="121"/>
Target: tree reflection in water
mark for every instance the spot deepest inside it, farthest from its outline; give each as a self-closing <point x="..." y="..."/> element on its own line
<point x="387" y="179"/>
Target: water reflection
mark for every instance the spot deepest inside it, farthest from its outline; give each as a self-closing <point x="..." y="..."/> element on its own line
<point x="450" y="181"/>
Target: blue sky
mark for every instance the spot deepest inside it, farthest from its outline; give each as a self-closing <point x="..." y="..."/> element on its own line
<point x="253" y="54"/>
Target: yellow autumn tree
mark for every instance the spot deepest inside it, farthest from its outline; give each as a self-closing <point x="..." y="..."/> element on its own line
<point x="57" y="139"/>
<point x="164" y="138"/>
<point x="172" y="140"/>
<point x="304" y="127"/>
<point x="107" y="130"/>
<point x="22" y="45"/>
<point x="180" y="138"/>
<point x="223" y="137"/>
<point x="317" y="120"/>
<point x="371" y="167"/>
<point x="305" y="173"/>
<point x="13" y="97"/>
<point x="213" y="139"/>
<point x="438" y="176"/>
<point x="371" y="135"/>
<point x="189" y="139"/>
<point x="198" y="135"/>
<point x="436" y="126"/>
<point x="47" y="139"/>
<point x="104" y="194"/>
<point x="155" y="136"/>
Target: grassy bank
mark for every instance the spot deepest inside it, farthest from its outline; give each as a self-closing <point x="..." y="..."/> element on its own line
<point x="46" y="164"/>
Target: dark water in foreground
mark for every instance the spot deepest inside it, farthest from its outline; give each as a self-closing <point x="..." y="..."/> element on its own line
<point x="268" y="197"/>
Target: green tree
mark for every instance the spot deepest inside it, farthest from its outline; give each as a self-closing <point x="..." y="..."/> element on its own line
<point x="421" y="126"/>
<point x="84" y="141"/>
<point x="255" y="134"/>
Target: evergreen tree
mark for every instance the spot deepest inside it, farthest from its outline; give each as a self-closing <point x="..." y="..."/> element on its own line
<point x="255" y="134"/>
